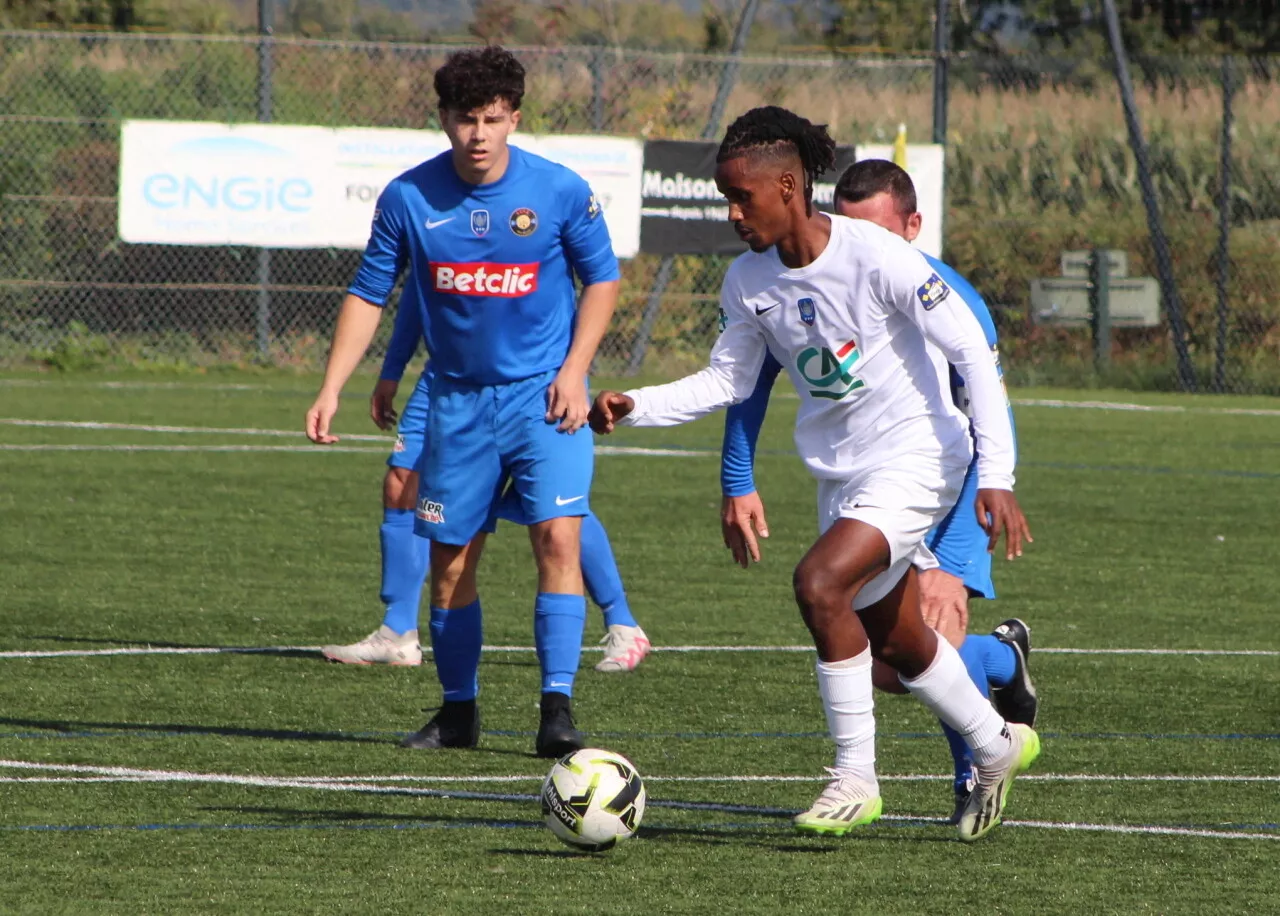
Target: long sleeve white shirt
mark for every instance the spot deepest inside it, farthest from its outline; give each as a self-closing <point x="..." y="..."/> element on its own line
<point x="853" y="330"/>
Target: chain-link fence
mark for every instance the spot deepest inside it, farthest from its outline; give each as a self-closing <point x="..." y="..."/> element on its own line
<point x="1038" y="163"/>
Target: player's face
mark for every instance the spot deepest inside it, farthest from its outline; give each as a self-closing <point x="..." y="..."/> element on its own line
<point x="757" y="191"/>
<point x="882" y="210"/>
<point x="479" y="138"/>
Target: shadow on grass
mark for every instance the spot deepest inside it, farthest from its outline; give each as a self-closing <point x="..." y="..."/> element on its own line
<point x="179" y="728"/>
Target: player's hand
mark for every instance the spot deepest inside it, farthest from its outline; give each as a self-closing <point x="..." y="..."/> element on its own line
<point x="944" y="604"/>
<point x="567" y="402"/>
<point x="741" y="520"/>
<point x="320" y="416"/>
<point x="998" y="511"/>
<point x="609" y="408"/>
<point x="382" y="404"/>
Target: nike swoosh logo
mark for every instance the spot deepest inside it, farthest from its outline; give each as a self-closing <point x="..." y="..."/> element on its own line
<point x="433" y="223"/>
<point x="760" y="311"/>
<point x="565" y="502"/>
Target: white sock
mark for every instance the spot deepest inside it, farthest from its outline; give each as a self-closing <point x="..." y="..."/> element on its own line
<point x="848" y="701"/>
<point x="945" y="688"/>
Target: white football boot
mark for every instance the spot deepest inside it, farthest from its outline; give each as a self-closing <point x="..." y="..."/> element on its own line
<point x="384" y="646"/>
<point x="845" y="803"/>
<point x="624" y="648"/>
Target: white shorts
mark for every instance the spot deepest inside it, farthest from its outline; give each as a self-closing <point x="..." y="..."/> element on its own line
<point x="903" y="502"/>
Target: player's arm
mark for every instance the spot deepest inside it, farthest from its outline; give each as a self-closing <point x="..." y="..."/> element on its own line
<point x="405" y="337"/>
<point x="910" y="285"/>
<point x="741" y="509"/>
<point x="384" y="258"/>
<point x="736" y="359"/>
<point x="590" y="250"/>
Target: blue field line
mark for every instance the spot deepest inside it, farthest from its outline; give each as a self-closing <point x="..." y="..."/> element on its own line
<point x="632" y="736"/>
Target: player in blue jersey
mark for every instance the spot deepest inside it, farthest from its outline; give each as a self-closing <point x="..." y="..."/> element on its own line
<point x="493" y="238"/>
<point x="881" y="192"/>
<point x="404" y="554"/>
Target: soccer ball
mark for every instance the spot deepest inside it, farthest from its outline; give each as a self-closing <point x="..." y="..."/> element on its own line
<point x="593" y="798"/>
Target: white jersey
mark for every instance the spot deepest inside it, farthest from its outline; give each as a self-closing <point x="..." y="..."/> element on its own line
<point x="852" y="330"/>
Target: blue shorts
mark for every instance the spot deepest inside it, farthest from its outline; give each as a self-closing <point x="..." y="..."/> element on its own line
<point x="485" y="437"/>
<point x="411" y="431"/>
<point x="960" y="544"/>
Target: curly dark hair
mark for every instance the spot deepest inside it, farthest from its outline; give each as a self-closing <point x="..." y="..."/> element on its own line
<point x="477" y="77"/>
<point x="772" y="130"/>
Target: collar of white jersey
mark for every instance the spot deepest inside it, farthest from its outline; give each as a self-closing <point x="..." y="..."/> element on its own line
<point x="817" y="265"/>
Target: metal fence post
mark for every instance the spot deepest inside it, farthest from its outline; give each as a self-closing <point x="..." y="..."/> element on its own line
<point x="597" y="90"/>
<point x="1224" y="227"/>
<point x="728" y="77"/>
<point x="1100" y="307"/>
<point x="266" y="27"/>
<point x="941" y="67"/>
<point x="1164" y="261"/>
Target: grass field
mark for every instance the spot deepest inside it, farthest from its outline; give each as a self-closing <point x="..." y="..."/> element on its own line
<point x="260" y="782"/>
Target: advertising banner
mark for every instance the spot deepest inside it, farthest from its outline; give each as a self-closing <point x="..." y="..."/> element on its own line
<point x="683" y="213"/>
<point x="278" y="186"/>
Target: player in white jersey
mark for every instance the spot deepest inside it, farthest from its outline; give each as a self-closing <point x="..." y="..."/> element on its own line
<point x="848" y="309"/>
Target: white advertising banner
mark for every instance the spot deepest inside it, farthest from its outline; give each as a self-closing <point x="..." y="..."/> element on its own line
<point x="925" y="166"/>
<point x="277" y="186"/>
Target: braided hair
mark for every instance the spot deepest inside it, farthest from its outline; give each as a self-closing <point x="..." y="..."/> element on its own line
<point x="775" y="131"/>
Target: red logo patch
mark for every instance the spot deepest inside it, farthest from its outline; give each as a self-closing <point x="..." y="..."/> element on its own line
<point x="505" y="280"/>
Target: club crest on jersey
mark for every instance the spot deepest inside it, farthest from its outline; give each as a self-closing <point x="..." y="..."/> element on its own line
<point x="431" y="511"/>
<point x="480" y="222"/>
<point x="808" y="311"/>
<point x="593" y="207"/>
<point x="523" y="221"/>
<point x="933" y="292"/>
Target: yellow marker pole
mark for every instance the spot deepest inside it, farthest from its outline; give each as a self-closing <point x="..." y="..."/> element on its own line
<point x="900" y="147"/>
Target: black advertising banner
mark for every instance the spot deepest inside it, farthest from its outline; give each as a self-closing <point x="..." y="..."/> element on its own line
<point x="681" y="212"/>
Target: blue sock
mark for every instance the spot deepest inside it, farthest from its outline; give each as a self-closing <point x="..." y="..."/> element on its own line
<point x="557" y="633"/>
<point x="404" y="568"/>
<point x="456" y="636"/>
<point x="999" y="661"/>
<point x="972" y="652"/>
<point x="600" y="573"/>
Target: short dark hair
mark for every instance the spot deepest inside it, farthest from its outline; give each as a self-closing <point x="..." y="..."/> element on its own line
<point x="772" y="129"/>
<point x="877" y="176"/>
<point x="477" y="77"/>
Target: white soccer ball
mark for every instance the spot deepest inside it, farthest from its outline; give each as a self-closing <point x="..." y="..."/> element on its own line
<point x="591" y="799"/>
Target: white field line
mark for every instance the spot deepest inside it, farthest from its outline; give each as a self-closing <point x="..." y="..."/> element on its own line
<point x="361" y="785"/>
<point x="268" y="650"/>
<point x="185" y="430"/>
<point x="905" y="777"/>
<point x="1146" y="408"/>
<point x="302" y="449"/>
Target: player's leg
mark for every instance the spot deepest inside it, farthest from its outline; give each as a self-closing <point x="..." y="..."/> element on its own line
<point x="848" y="555"/>
<point x="934" y="672"/>
<point x="404" y="555"/>
<point x="458" y="490"/>
<point x="625" y="642"/>
<point x="559" y="617"/>
<point x="456" y="637"/>
<point x="551" y="473"/>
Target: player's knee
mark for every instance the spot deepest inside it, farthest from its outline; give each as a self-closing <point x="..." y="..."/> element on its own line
<point x="399" y="489"/>
<point x="557" y="544"/>
<point x="818" y="593"/>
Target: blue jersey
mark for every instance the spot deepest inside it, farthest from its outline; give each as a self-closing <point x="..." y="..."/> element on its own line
<point x="492" y="265"/>
<point x="958" y="541"/>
